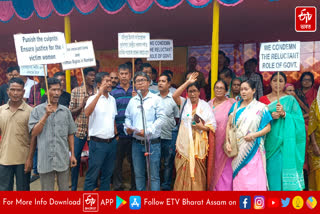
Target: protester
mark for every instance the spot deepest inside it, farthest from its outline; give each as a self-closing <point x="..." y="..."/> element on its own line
<point x="79" y="97"/>
<point x="137" y="64"/>
<point x="154" y="117"/>
<point x="202" y="92"/>
<point x="154" y="76"/>
<point x="101" y="109"/>
<point x="114" y="79"/>
<point x="252" y="122"/>
<point x="250" y="74"/>
<point x="192" y="67"/>
<point x="197" y="119"/>
<point x="122" y="93"/>
<point x="170" y="73"/>
<point x="307" y="93"/>
<point x="285" y="144"/>
<point x="11" y="72"/>
<point x="65" y="96"/>
<point x="15" y="139"/>
<point x="221" y="171"/>
<point x="227" y="75"/>
<point x="167" y="140"/>
<point x="147" y="68"/>
<point x="314" y="146"/>
<point x="54" y="127"/>
<point x="37" y="92"/>
<point x="235" y="89"/>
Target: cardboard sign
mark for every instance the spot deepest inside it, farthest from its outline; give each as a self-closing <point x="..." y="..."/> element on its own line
<point x="161" y="50"/>
<point x="32" y="70"/>
<point x="79" y="55"/>
<point x="40" y="48"/>
<point x="280" y="56"/>
<point x="134" y="45"/>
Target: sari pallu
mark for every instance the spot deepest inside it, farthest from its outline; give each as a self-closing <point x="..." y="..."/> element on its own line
<point x="192" y="148"/>
<point x="314" y="161"/>
<point x="219" y="174"/>
<point x="252" y="118"/>
<point x="285" y="147"/>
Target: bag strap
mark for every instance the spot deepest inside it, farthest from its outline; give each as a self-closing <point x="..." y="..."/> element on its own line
<point x="234" y="113"/>
<point x="184" y="104"/>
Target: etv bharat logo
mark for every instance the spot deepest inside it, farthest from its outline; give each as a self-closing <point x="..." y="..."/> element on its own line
<point x="90" y="202"/>
<point x="306" y="19"/>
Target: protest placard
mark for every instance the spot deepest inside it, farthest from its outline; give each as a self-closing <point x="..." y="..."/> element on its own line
<point x="161" y="50"/>
<point x="133" y="45"/>
<point x="40" y="48"/>
<point x="280" y="56"/>
<point x="32" y="70"/>
<point x="79" y="55"/>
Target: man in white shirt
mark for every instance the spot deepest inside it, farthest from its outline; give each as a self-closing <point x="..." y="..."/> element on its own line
<point x="101" y="109"/>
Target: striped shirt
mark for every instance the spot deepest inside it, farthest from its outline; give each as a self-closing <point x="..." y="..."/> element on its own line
<point x="122" y="99"/>
<point x="53" y="146"/>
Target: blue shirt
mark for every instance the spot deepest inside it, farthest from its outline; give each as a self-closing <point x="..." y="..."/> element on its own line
<point x="154" y="112"/>
<point x="122" y="99"/>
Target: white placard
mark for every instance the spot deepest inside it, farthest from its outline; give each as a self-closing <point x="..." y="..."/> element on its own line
<point x="161" y="50"/>
<point x="79" y="55"/>
<point x="40" y="48"/>
<point x="134" y="45"/>
<point x="280" y="56"/>
<point x="33" y="70"/>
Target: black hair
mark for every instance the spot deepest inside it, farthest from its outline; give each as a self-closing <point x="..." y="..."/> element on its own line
<point x="60" y="73"/>
<point x="227" y="73"/>
<point x="253" y="60"/>
<point x="154" y="71"/>
<point x="222" y="53"/>
<point x="100" y="76"/>
<point x="136" y="61"/>
<point x="305" y="74"/>
<point x="168" y="72"/>
<point x="224" y="83"/>
<point x="227" y="59"/>
<point x="251" y="84"/>
<point x="188" y="72"/>
<point x="124" y="67"/>
<point x="87" y="70"/>
<point x="16" y="80"/>
<point x="11" y="69"/>
<point x="53" y="81"/>
<point x="280" y="73"/>
<point x="145" y="65"/>
<point x="195" y="84"/>
<point x="166" y="75"/>
<point x="142" y="74"/>
<point x="236" y="78"/>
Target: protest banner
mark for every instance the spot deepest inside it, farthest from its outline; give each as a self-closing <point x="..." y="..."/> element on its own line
<point x="32" y="70"/>
<point x="280" y="56"/>
<point x="161" y="50"/>
<point x="79" y="55"/>
<point x="40" y="48"/>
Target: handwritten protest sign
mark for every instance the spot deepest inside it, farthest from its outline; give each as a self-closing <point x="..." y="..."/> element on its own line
<point x="32" y="70"/>
<point x="40" y="48"/>
<point x="161" y="50"/>
<point x="280" y="56"/>
<point x="134" y="45"/>
<point x="79" y="55"/>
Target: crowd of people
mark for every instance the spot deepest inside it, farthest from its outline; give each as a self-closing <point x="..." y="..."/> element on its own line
<point x="246" y="138"/>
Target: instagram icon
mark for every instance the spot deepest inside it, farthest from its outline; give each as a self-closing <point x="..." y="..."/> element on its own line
<point x="258" y="202"/>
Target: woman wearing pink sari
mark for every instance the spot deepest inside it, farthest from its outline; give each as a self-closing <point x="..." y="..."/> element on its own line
<point x="220" y="174"/>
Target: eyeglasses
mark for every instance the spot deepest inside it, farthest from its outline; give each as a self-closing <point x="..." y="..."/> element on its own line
<point x="140" y="80"/>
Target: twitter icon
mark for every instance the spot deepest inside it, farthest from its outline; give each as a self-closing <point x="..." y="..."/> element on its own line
<point x="286" y="202"/>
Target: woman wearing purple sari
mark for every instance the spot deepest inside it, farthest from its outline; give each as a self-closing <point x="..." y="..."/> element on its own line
<point x="221" y="171"/>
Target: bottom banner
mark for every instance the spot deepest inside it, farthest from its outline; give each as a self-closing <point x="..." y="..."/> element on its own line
<point x="166" y="201"/>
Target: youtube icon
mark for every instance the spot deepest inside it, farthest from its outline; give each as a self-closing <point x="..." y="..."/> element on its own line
<point x="273" y="202"/>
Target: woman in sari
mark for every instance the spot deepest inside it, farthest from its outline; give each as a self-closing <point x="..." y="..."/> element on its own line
<point x="252" y="122"/>
<point x="314" y="146"/>
<point x="192" y="142"/>
<point x="220" y="176"/>
<point x="285" y="144"/>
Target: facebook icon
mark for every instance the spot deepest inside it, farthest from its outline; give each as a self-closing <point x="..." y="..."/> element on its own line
<point x="245" y="202"/>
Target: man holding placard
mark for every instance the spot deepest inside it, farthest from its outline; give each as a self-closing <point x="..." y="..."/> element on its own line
<point x="54" y="127"/>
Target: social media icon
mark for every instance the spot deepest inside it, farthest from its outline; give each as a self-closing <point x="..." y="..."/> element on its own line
<point x="120" y="202"/>
<point x="285" y="203"/>
<point x="311" y="202"/>
<point x="297" y="202"/>
<point x="245" y="202"/>
<point x="259" y="203"/>
<point x="273" y="202"/>
<point x="135" y="203"/>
